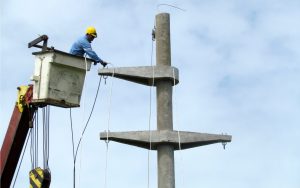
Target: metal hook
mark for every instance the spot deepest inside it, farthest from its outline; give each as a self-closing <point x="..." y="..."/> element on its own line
<point x="224" y="145"/>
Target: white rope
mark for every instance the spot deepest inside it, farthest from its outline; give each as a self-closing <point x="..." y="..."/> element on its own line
<point x="110" y="97"/>
<point x="108" y="125"/>
<point x="178" y="132"/>
<point x="150" y="112"/>
<point x="176" y="119"/>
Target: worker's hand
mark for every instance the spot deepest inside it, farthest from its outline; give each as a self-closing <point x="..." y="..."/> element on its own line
<point x="103" y="63"/>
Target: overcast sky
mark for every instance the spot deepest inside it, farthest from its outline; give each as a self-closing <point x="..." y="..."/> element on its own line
<point x="239" y="68"/>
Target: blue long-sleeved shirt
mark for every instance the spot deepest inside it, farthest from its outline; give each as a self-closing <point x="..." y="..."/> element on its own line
<point x="81" y="46"/>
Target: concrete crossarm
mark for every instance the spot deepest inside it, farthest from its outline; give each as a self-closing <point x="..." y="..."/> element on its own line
<point x="186" y="139"/>
<point x="144" y="74"/>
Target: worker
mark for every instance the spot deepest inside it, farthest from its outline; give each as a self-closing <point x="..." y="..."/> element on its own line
<point x="83" y="46"/>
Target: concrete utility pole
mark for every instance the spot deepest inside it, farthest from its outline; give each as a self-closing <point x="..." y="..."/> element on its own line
<point x="165" y="140"/>
<point x="165" y="152"/>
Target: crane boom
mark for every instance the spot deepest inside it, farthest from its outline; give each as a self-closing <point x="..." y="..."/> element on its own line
<point x="20" y="122"/>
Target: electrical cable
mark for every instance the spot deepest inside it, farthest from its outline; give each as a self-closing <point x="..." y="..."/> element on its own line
<point x="88" y="118"/>
<point x="44" y="136"/>
<point x="20" y="163"/>
<point x="164" y="4"/>
<point x="79" y="142"/>
<point x="32" y="142"/>
<point x="71" y="123"/>
<point x="47" y="135"/>
<point x="72" y="132"/>
<point x="36" y="143"/>
<point x="83" y="117"/>
<point x="46" y="119"/>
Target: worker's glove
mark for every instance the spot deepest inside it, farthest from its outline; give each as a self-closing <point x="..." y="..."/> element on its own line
<point x="103" y="63"/>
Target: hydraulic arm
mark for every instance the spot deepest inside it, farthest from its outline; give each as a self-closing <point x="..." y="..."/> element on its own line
<point x="20" y="122"/>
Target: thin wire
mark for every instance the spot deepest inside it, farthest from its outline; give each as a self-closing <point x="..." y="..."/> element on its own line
<point x="108" y="125"/>
<point x="79" y="142"/>
<point x="150" y="112"/>
<point x="82" y="134"/>
<point x="31" y="147"/>
<point x="37" y="141"/>
<point x="32" y="142"/>
<point x="72" y="132"/>
<point x="88" y="118"/>
<point x="110" y="97"/>
<point x="48" y="135"/>
<point x="178" y="132"/>
<point x="83" y="117"/>
<point x="46" y="114"/>
<point x="37" y="146"/>
<point x="20" y="163"/>
<point x="44" y="137"/>
<point x="80" y="164"/>
<point x="164" y="4"/>
<point x="106" y="165"/>
<point x="174" y="83"/>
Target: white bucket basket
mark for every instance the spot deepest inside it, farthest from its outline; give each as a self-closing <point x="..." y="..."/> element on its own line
<point x="59" y="78"/>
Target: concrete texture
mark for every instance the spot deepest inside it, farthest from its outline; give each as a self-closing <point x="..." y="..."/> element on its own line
<point x="165" y="140"/>
<point x="143" y="139"/>
<point x="165" y="152"/>
<point x="146" y="75"/>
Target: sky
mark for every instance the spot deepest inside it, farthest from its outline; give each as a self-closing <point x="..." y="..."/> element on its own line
<point x="239" y="74"/>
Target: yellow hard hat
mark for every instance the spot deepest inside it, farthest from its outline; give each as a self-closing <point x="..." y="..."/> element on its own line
<point x="91" y="31"/>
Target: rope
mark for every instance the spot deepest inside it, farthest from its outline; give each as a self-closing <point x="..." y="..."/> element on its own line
<point x="178" y="132"/>
<point x="46" y="119"/>
<point x="176" y="121"/>
<point x="20" y="163"/>
<point x="36" y="144"/>
<point x="43" y="141"/>
<point x="106" y="161"/>
<point x="32" y="155"/>
<point x="48" y="136"/>
<point x="110" y="97"/>
<point x="150" y="109"/>
<point x="34" y="141"/>
<point x="108" y="125"/>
